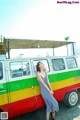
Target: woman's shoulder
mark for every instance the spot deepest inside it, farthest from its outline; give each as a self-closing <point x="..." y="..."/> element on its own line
<point x="37" y="73"/>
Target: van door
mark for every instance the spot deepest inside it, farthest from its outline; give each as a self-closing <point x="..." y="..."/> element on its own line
<point x="4" y="97"/>
<point x="21" y="86"/>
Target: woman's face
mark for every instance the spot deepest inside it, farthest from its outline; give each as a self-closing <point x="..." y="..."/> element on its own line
<point x="41" y="65"/>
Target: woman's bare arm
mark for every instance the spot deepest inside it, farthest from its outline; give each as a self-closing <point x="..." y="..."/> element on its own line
<point x="50" y="86"/>
<point x="49" y="83"/>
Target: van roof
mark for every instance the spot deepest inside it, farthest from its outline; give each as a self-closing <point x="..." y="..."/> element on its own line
<point x="34" y="43"/>
<point x="25" y="58"/>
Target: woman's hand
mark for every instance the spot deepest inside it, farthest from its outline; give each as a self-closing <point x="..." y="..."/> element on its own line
<point x="51" y="92"/>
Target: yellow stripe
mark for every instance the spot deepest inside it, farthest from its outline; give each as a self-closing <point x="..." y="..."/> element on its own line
<point x="30" y="92"/>
<point x="65" y="83"/>
<point x="19" y="95"/>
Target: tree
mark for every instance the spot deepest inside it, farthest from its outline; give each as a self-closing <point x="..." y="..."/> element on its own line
<point x="67" y="38"/>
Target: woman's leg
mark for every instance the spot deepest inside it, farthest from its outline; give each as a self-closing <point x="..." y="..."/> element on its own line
<point x="47" y="115"/>
<point x="53" y="114"/>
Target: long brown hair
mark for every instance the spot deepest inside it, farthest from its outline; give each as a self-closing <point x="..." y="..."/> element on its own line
<point x="38" y="67"/>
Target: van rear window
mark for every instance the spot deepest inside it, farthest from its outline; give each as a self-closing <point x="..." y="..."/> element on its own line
<point x="1" y="71"/>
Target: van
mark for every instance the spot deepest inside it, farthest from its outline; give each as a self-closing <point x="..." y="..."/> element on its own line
<point x="19" y="88"/>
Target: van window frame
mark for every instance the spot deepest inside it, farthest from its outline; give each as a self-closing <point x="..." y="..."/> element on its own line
<point x="75" y="63"/>
<point x="42" y="62"/>
<point x="23" y="76"/>
<point x="2" y="70"/>
<point x="59" y="69"/>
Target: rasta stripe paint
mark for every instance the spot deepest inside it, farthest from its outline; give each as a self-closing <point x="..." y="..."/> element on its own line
<point x="24" y="95"/>
<point x="27" y="104"/>
<point x="27" y="83"/>
<point x="22" y="89"/>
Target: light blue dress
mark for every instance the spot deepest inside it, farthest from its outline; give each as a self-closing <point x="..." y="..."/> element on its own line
<point x="50" y="101"/>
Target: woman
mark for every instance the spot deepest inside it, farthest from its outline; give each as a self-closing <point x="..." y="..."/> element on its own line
<point x="46" y="91"/>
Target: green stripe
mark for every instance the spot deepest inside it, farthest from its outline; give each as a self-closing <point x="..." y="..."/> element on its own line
<point x="27" y="83"/>
<point x="64" y="75"/>
<point x="17" y="85"/>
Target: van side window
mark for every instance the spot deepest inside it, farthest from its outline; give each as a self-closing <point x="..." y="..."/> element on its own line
<point x="58" y="64"/>
<point x="71" y="63"/>
<point x="1" y="71"/>
<point x="18" y="69"/>
<point x="45" y="62"/>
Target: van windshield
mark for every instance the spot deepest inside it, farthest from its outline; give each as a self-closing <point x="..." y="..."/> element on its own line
<point x="1" y="71"/>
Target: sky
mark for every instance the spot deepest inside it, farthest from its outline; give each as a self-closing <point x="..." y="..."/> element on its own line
<point x="39" y="19"/>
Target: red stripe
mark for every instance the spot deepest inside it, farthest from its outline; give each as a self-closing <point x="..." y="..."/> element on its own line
<point x="23" y="106"/>
<point x="60" y="93"/>
<point x="33" y="103"/>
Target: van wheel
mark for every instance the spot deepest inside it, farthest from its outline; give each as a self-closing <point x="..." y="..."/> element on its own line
<point x="71" y="98"/>
<point x="0" y="114"/>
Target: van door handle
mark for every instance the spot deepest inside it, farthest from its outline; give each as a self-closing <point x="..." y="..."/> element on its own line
<point x="2" y="91"/>
<point x="32" y="86"/>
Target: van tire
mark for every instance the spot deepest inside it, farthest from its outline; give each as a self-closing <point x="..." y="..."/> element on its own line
<point x="71" y="98"/>
<point x="0" y="114"/>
